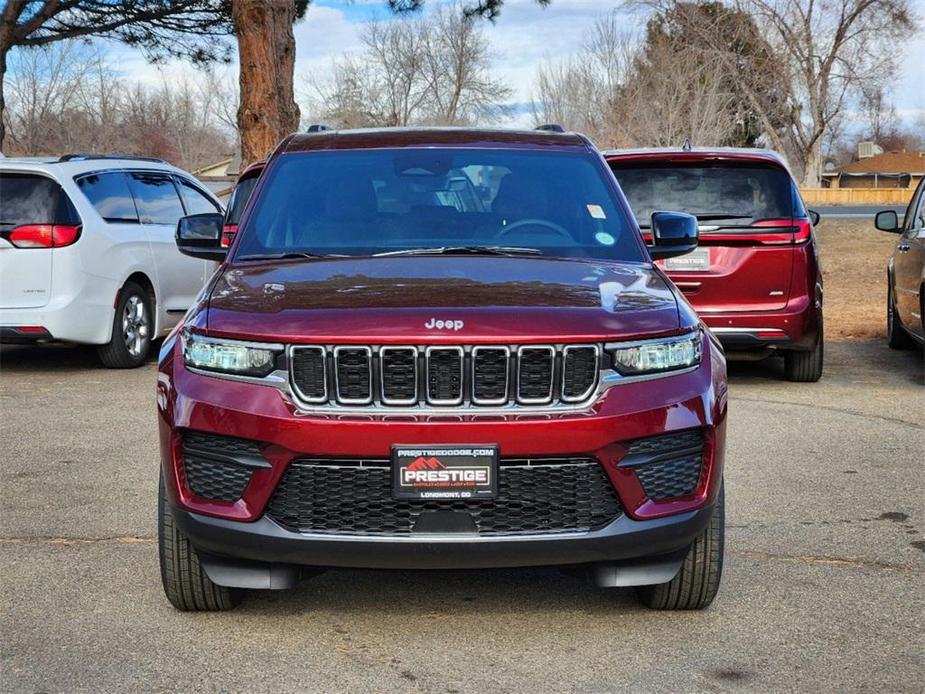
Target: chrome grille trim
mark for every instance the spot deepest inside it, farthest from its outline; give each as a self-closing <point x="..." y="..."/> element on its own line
<point x="383" y="352"/>
<point x="462" y="373"/>
<point x="523" y="349"/>
<point x="597" y="371"/>
<point x="295" y="386"/>
<point x="547" y="378"/>
<point x="369" y="366"/>
<point x="507" y="375"/>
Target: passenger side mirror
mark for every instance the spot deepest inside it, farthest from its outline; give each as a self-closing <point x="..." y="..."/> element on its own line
<point x="200" y="236"/>
<point x="814" y="217"/>
<point x="674" y="234"/>
<point x="887" y="220"/>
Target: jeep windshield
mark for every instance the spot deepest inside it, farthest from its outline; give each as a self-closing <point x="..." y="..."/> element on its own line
<point x="440" y="201"/>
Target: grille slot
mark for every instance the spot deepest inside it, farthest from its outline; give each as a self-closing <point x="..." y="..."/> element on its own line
<point x="353" y="372"/>
<point x="580" y="366"/>
<point x="309" y="373"/>
<point x="219" y="467"/>
<point x="354" y="497"/>
<point x="444" y="375"/>
<point x="399" y="375"/>
<point x="667" y="466"/>
<point x="535" y="367"/>
<point x="490" y="375"/>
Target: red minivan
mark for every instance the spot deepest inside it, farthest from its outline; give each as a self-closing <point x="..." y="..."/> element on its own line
<point x="755" y="278"/>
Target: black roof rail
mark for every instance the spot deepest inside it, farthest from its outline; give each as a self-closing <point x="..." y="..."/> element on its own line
<point x="85" y="157"/>
<point x="551" y="127"/>
<point x="317" y="128"/>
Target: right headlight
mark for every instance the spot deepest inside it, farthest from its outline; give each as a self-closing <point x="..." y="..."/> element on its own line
<point x="656" y="356"/>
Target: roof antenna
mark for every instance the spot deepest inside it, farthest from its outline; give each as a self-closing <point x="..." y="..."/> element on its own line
<point x="686" y="145"/>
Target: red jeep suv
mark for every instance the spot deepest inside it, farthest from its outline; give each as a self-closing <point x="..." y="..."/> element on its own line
<point x="754" y="278"/>
<point x="440" y="349"/>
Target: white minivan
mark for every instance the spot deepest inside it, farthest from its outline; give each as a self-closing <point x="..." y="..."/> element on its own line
<point x="87" y="252"/>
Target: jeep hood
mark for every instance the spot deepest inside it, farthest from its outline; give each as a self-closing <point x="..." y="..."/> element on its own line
<point x="409" y="298"/>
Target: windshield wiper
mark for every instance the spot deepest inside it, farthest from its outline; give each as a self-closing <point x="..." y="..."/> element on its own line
<point x="464" y="250"/>
<point x="289" y="254"/>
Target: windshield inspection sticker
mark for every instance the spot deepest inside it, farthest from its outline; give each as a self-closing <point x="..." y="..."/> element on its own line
<point x="597" y="212"/>
<point x="605" y="239"/>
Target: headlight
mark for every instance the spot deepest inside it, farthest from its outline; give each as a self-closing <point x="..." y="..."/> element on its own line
<point x="229" y="356"/>
<point x="654" y="356"/>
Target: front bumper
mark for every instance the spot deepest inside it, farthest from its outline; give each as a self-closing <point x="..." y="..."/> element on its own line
<point x="235" y="533"/>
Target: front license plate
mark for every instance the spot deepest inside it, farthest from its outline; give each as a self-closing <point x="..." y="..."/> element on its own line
<point x="697" y="260"/>
<point x="445" y="472"/>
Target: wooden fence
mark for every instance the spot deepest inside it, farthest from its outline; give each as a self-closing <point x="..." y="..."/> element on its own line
<point x="857" y="196"/>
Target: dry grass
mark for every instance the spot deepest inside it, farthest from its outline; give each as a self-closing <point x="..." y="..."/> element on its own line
<point x="854" y="260"/>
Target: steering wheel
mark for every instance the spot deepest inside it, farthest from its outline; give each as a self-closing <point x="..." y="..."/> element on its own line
<point x="549" y="226"/>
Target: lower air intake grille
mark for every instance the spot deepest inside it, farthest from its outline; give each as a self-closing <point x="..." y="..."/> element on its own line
<point x="353" y="497"/>
<point x="219" y="467"/>
<point x="667" y="466"/>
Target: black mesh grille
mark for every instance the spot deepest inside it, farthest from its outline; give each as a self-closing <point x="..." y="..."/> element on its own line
<point x="210" y="467"/>
<point x="536" y="365"/>
<point x="670" y="479"/>
<point x="308" y="372"/>
<point x="667" y="466"/>
<point x="580" y="369"/>
<point x="399" y="374"/>
<point x="490" y="374"/>
<point x="353" y="373"/>
<point x="444" y="375"/>
<point x="354" y="497"/>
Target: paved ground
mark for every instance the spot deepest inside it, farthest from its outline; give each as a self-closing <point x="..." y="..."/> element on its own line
<point x="824" y="587"/>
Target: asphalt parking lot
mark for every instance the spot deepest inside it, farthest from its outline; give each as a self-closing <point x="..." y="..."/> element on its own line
<point x="824" y="587"/>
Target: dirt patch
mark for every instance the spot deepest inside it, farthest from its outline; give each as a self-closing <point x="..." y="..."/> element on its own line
<point x="854" y="260"/>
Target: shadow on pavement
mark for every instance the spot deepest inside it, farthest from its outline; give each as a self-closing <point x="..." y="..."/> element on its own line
<point x="55" y="357"/>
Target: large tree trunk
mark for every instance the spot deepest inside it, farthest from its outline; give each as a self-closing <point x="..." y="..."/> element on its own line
<point x="3" y="53"/>
<point x="266" y="52"/>
<point x="812" y="165"/>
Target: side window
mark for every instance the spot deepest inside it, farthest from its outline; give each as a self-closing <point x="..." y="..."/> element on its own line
<point x="193" y="199"/>
<point x="110" y="196"/>
<point x="156" y="198"/>
<point x="918" y="220"/>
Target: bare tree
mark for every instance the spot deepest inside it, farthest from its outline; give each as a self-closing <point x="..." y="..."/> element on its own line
<point x="879" y="113"/>
<point x="65" y="97"/>
<point x="434" y="69"/>
<point x="828" y="51"/>
<point x="623" y="92"/>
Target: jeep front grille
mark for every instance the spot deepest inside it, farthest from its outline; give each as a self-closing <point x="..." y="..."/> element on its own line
<point x="354" y="497"/>
<point x="444" y="376"/>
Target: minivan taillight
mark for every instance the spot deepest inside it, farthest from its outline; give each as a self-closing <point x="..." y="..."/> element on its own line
<point x="228" y="232"/>
<point x="792" y="231"/>
<point x="43" y="235"/>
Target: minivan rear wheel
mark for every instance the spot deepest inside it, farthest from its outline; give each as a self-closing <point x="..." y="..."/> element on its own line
<point x="697" y="582"/>
<point x="806" y="366"/>
<point x="186" y="584"/>
<point x="132" y="327"/>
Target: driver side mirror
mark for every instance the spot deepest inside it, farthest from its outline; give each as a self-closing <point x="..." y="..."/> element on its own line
<point x="887" y="220"/>
<point x="814" y="216"/>
<point x="200" y="236"/>
<point x="673" y="233"/>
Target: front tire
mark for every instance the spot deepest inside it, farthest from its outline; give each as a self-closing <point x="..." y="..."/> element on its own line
<point x="806" y="367"/>
<point x="896" y="335"/>
<point x="131" y="330"/>
<point x="185" y="582"/>
<point x="697" y="582"/>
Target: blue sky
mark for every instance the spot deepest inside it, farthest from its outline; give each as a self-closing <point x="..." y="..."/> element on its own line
<point x="523" y="37"/>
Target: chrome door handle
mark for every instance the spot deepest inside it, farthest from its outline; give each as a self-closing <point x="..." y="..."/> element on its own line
<point x="903" y="247"/>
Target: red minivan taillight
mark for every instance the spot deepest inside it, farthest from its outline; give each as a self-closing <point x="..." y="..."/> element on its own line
<point x="228" y="232"/>
<point x="43" y="235"/>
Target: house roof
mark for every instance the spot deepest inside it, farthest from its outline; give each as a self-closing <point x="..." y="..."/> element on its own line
<point x="887" y="163"/>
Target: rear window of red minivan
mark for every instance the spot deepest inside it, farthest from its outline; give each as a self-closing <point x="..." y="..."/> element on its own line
<point x="713" y="192"/>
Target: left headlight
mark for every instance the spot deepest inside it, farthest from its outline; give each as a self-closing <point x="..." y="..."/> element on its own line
<point x="229" y="356"/>
<point x="656" y="356"/>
